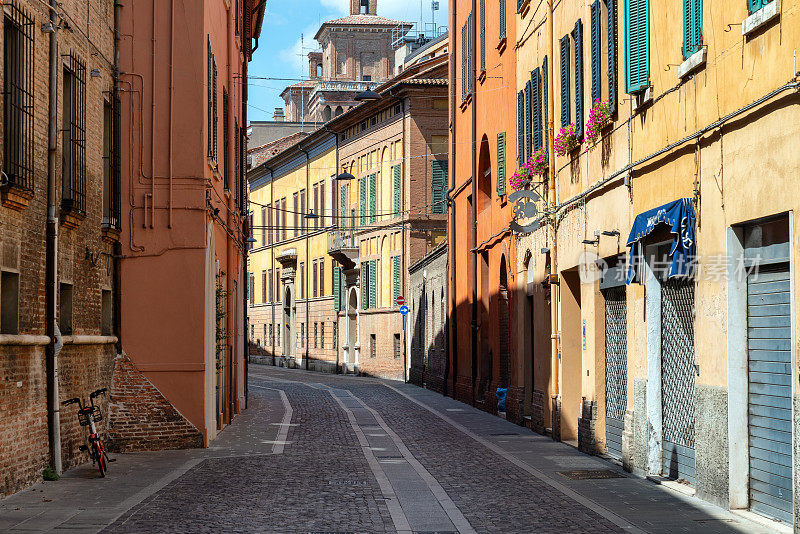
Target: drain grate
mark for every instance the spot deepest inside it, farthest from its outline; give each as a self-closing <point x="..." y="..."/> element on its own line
<point x="347" y="483"/>
<point x="590" y="474"/>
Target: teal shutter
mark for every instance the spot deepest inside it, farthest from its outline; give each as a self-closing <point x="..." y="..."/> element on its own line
<point x="397" y="179"/>
<point x="595" y="45"/>
<point x="362" y="200"/>
<point x="637" y="45"/>
<point x="536" y="95"/>
<point x="528" y="128"/>
<point x="464" y="62"/>
<point x="483" y="35"/>
<point x="337" y="291"/>
<point x="577" y="36"/>
<point x="521" y="128"/>
<point x="755" y="5"/>
<point x="438" y="186"/>
<point x="611" y="26"/>
<point x="545" y="107"/>
<point x="396" y="287"/>
<point x="373" y="197"/>
<point x="502" y="19"/>
<point x="471" y="21"/>
<point x="564" y="46"/>
<point x="501" y="164"/>
<point x="692" y="27"/>
<point x="373" y="278"/>
<point x="343" y="205"/>
<point x="364" y="285"/>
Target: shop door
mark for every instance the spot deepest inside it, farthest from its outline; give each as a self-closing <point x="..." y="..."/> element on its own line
<point x="616" y="368"/>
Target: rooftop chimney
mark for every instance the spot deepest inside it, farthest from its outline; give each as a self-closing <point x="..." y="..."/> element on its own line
<point x="278" y="116"/>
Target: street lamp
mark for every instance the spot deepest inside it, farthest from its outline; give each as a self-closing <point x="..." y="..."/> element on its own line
<point x="345" y="176"/>
<point x="367" y="96"/>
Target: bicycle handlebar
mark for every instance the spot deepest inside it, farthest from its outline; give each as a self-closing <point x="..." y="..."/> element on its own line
<point x="99" y="392"/>
<point x="70" y="401"/>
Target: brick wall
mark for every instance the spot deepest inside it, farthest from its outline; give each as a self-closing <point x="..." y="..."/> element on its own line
<point x="537" y="411"/>
<point x="142" y="418"/>
<point x="586" y="436"/>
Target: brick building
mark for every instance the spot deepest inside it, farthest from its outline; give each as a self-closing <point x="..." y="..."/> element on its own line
<point x="428" y="320"/>
<point x="58" y="274"/>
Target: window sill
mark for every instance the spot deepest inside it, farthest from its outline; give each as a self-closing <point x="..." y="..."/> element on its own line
<point x="110" y="234"/>
<point x="501" y="46"/>
<point x="693" y="62"/>
<point x="761" y="18"/>
<point x="643" y="99"/>
<point x="71" y="219"/>
<point x="465" y="103"/>
<point x="524" y="7"/>
<point x="15" y="198"/>
<point x="482" y="77"/>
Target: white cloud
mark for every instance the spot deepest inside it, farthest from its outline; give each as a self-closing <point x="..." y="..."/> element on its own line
<point x="340" y="6"/>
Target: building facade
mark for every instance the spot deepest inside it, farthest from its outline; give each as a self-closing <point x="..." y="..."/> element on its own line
<point x="483" y="116"/>
<point x="59" y="222"/>
<point x="291" y="310"/>
<point x="428" y="320"/>
<point x="668" y="264"/>
<point x="181" y="377"/>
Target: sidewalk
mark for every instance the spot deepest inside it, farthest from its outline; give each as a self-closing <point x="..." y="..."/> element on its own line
<point x="82" y="502"/>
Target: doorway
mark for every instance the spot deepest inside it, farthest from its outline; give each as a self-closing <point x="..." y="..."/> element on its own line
<point x="352" y="326"/>
<point x="288" y="324"/>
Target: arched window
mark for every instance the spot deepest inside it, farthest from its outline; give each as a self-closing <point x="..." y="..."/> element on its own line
<point x="484" y="177"/>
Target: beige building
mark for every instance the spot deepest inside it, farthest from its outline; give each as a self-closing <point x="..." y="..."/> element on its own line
<point x="677" y="355"/>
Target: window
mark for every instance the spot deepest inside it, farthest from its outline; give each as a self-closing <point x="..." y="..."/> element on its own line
<point x="263" y="226"/>
<point x="211" y="102"/>
<point x="251" y="289"/>
<point x="225" y="140"/>
<point x="321" y="267"/>
<point x="607" y="41"/>
<point x="501" y="164"/>
<point x="362" y="200"/>
<point x="314" y="288"/>
<point x="322" y="335"/>
<point x="321" y="212"/>
<point x="397" y="280"/>
<point x="577" y="39"/>
<point x="467" y="61"/>
<point x="65" y="309"/>
<point x="296" y="210"/>
<point x="397" y="179"/>
<point x="372" y="346"/>
<point x="267" y="233"/>
<point x="365" y="284"/>
<point x="107" y="308"/>
<point x="302" y="272"/>
<point x="337" y="288"/>
<point x="483" y="35"/>
<point x="9" y="302"/>
<point x="271" y="333"/>
<point x="303" y="210"/>
<point x="270" y="286"/>
<point x="536" y="108"/>
<point x="521" y="127"/>
<point x="752" y="6"/>
<point x="335" y="335"/>
<point x="637" y="45"/>
<point x="18" y="32"/>
<point x="73" y="148"/>
<point x="364" y="7"/>
<point x="283" y="222"/>
<point x="438" y="186"/>
<point x="316" y="333"/>
<point x="111" y="162"/>
<point x="528" y="119"/>
<point x="250" y="228"/>
<point x="373" y="197"/>
<point x="366" y="78"/>
<point x="263" y="286"/>
<point x="302" y="334"/>
<point x="692" y="27"/>
<point x="373" y="279"/>
<point x="565" y="80"/>
<point x="397" y="348"/>
<point x="502" y="19"/>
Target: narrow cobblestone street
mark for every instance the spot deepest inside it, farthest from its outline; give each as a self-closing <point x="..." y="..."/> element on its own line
<point x="324" y="453"/>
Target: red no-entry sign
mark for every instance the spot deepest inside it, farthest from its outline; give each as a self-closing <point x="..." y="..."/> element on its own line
<point x="400" y="300"/>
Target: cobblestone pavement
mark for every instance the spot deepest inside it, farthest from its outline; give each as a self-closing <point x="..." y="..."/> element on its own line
<point x="321" y="453"/>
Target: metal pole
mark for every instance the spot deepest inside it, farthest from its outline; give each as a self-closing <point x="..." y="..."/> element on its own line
<point x="474" y="214"/>
<point x="554" y="293"/>
<point x="51" y="326"/>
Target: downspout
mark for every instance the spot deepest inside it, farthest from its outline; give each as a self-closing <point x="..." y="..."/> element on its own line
<point x="51" y="285"/>
<point x="551" y="157"/>
<point x="474" y="216"/>
<point x="452" y="229"/>
<point x="305" y="230"/>
<point x="335" y="217"/>
<point x="233" y="391"/>
<point x="405" y="217"/>
<point x="244" y="186"/>
<point x="117" y="303"/>
<point x="171" y="101"/>
<point x="276" y="290"/>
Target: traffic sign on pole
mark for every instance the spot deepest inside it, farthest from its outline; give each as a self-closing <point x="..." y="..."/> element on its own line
<point x="404" y="309"/>
<point x="400" y="300"/>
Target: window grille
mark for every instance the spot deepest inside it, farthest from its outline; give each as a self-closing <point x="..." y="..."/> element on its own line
<point x="73" y="170"/>
<point x="18" y="32"/>
<point x="225" y="140"/>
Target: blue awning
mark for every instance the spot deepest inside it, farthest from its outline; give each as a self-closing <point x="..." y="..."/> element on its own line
<point x="679" y="216"/>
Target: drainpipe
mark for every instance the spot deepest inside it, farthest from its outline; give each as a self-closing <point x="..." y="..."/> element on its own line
<point x="308" y="265"/>
<point x="474" y="216"/>
<point x="51" y="285"/>
<point x="245" y="189"/>
<point x="452" y="207"/>
<point x="554" y="289"/>
<point x="117" y="303"/>
<point x="405" y="217"/>
<point x="275" y="290"/>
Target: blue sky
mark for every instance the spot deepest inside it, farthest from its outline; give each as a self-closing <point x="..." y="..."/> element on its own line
<point x="278" y="54"/>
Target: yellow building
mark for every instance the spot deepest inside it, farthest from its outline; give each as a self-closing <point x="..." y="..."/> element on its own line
<point x="681" y="367"/>
<point x="291" y="314"/>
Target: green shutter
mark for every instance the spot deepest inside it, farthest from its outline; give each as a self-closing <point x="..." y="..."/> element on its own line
<point x="438" y="186"/>
<point x="362" y="200"/>
<point x="521" y="128"/>
<point x="396" y="281"/>
<point x="502" y="19"/>
<point x="755" y="5"/>
<point x="637" y="45"/>
<point x="528" y="126"/>
<point x="501" y="164"/>
<point x="536" y="112"/>
<point x="247" y="287"/>
<point x="397" y="173"/>
<point x="337" y="296"/>
<point x="364" y="285"/>
<point x="545" y="107"/>
<point x="343" y="205"/>
<point x="595" y="46"/>
<point x="464" y="62"/>
<point x="577" y="37"/>
<point x="564" y="48"/>
<point x="483" y="35"/>
<point x="611" y="27"/>
<point x="692" y="27"/>
<point x="373" y="197"/>
<point x="373" y="280"/>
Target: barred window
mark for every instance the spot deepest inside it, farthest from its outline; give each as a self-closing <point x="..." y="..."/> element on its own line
<point x="225" y="140"/>
<point x="73" y="149"/>
<point x="212" y="104"/>
<point x="18" y="32"/>
<point x="111" y="162"/>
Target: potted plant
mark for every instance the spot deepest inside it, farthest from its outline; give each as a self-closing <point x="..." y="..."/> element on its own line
<point x="566" y="141"/>
<point x="599" y="118"/>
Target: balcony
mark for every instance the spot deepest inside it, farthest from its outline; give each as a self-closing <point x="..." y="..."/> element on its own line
<point x="343" y="247"/>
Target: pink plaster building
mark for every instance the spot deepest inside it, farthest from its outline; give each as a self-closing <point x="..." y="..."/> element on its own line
<point x="181" y="377"/>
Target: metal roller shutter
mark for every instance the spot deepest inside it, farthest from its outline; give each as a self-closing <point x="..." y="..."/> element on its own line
<point x="677" y="379"/>
<point x="616" y="369"/>
<point x="770" y="392"/>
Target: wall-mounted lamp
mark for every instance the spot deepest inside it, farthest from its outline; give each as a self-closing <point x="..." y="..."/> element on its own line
<point x="367" y="96"/>
<point x="545" y="250"/>
<point x="251" y="239"/>
<point x="95" y="73"/>
<point x="594" y="242"/>
<point x="611" y="233"/>
<point x="345" y="176"/>
<point x="311" y="215"/>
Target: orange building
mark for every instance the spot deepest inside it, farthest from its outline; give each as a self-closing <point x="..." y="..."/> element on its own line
<point x="482" y="155"/>
<point x="181" y="376"/>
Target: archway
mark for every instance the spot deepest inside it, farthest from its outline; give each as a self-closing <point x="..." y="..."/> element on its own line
<point x="484" y="176"/>
<point x="338" y="111"/>
<point x="503" y="324"/>
<point x="326" y="114"/>
<point x="352" y="325"/>
<point x="288" y="324"/>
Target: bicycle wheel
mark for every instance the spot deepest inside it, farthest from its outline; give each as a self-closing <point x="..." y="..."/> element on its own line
<point x="100" y="458"/>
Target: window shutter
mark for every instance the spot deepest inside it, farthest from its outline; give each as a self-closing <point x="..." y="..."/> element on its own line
<point x="546" y="108"/>
<point x="483" y="35"/>
<point x="210" y="109"/>
<point x="396" y="277"/>
<point x="536" y="94"/>
<point x="611" y="23"/>
<point x="520" y="127"/>
<point x="343" y="205"/>
<point x="373" y="197"/>
<point x="637" y="45"/>
<point x="595" y="37"/>
<point x="373" y="278"/>
<point x="564" y="42"/>
<point x="364" y="285"/>
<point x="577" y="35"/>
<point x="464" y="76"/>
<point x="471" y="56"/>
<point x="438" y="186"/>
<point x="692" y="26"/>
<point x="362" y="194"/>
<point x="502" y="19"/>
<point x="528" y="128"/>
<point x="755" y="5"/>
<point x="397" y="177"/>
<point x="501" y="164"/>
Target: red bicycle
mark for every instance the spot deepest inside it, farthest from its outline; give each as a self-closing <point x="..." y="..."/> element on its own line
<point x="88" y="415"/>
